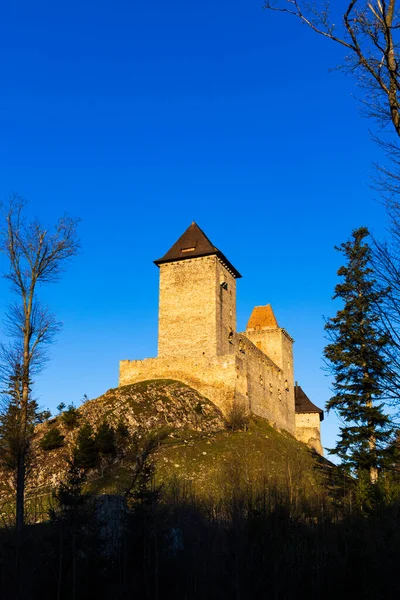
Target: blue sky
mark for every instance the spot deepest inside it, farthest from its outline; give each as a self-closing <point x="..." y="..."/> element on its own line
<point x="140" y="117"/>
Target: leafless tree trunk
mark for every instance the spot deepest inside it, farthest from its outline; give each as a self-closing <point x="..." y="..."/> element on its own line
<point x="36" y="256"/>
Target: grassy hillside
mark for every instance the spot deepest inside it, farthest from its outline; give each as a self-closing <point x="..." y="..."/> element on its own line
<point x="199" y="453"/>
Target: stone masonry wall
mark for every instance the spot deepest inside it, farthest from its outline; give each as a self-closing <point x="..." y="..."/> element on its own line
<point x="277" y="344"/>
<point x="244" y="376"/>
<point x="262" y="385"/>
<point x="225" y="293"/>
<point x="214" y="378"/>
<point x="196" y="312"/>
<point x="308" y="430"/>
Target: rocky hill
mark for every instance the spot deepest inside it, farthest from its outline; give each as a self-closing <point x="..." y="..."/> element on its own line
<point x="199" y="450"/>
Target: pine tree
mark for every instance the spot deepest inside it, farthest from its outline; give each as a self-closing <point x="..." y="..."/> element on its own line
<point x="14" y="438"/>
<point x="69" y="417"/>
<point x="356" y="356"/>
<point x="52" y="439"/>
<point x="86" y="455"/>
<point x="105" y="439"/>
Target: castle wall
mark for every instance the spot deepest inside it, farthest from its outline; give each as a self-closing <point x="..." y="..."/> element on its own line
<point x="214" y="378"/>
<point x="225" y="293"/>
<point x="245" y="376"/>
<point x="262" y="385"/>
<point x="276" y="344"/>
<point x="196" y="312"/>
<point x="308" y="430"/>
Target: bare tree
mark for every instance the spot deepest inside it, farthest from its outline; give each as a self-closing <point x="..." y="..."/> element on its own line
<point x="36" y="256"/>
<point x="369" y="33"/>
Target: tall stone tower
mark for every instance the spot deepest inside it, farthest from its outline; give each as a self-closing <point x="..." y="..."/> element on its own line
<point x="197" y="304"/>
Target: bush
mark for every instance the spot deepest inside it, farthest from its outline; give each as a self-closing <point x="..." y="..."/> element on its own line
<point x="52" y="439"/>
<point x="70" y="417"/>
<point x="237" y="419"/>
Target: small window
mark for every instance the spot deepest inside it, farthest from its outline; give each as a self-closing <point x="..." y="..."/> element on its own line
<point x="188" y="249"/>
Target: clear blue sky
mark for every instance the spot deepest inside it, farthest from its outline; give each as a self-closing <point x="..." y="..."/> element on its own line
<point x="140" y="117"/>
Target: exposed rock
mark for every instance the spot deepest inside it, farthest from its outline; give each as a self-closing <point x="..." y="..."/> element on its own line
<point x="148" y="405"/>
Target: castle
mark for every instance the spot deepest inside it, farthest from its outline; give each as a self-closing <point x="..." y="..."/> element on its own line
<point x="198" y="343"/>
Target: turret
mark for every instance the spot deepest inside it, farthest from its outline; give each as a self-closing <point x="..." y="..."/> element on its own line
<point x="263" y="330"/>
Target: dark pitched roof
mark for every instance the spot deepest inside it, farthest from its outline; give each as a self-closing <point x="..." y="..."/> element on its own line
<point x="303" y="403"/>
<point x="193" y="244"/>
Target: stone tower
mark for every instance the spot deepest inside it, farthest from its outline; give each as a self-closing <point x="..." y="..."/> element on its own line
<point x="197" y="303"/>
<point x="274" y="341"/>
<point x="263" y="330"/>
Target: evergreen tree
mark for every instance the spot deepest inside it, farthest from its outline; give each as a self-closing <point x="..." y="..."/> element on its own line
<point x="52" y="439"/>
<point x="105" y="439"/>
<point x="86" y="454"/>
<point x="122" y="435"/>
<point x="70" y="417"/>
<point x="14" y="437"/>
<point x="356" y="356"/>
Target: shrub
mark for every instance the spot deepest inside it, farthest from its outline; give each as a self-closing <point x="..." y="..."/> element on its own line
<point x="52" y="439"/>
<point x="70" y="417"/>
<point x="237" y="419"/>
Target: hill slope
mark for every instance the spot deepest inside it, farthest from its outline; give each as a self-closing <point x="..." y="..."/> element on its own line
<point x="198" y="450"/>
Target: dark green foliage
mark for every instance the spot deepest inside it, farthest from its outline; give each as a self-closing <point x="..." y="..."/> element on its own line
<point x="356" y="356"/>
<point x="14" y="441"/>
<point x="122" y="431"/>
<point x="52" y="439"/>
<point x="86" y="455"/>
<point x="70" y="417"/>
<point x="105" y="439"/>
<point x="122" y="438"/>
<point x="69" y="496"/>
<point x="61" y="407"/>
